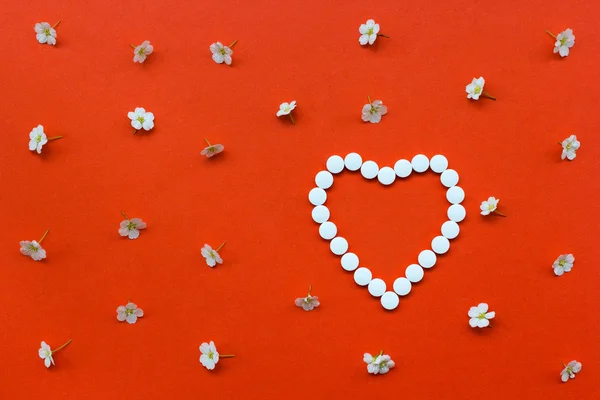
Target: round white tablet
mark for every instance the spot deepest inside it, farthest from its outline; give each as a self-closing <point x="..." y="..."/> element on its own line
<point x="328" y="230"/>
<point x="403" y="168"/>
<point x="335" y="164"/>
<point x="362" y="276"/>
<point x="324" y="179"/>
<point x="414" y="273"/>
<point x="353" y="161"/>
<point x="427" y="258"/>
<point x="320" y="214"/>
<point x="402" y="286"/>
<point x="377" y="287"/>
<point x="349" y="261"/>
<point x="450" y="229"/>
<point x="338" y="246"/>
<point x="386" y="176"/>
<point x="455" y="195"/>
<point x="317" y="196"/>
<point x="456" y="212"/>
<point x="449" y="178"/>
<point x="438" y="163"/>
<point x="440" y="245"/>
<point x="390" y="300"/>
<point x="420" y="163"/>
<point x="369" y="169"/>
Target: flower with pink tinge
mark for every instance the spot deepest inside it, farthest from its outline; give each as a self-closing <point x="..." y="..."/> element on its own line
<point x="34" y="249"/>
<point x="212" y="149"/>
<point x="141" y="52"/>
<point x="131" y="227"/>
<point x="212" y="256"/>
<point x="570" y="370"/>
<point x="373" y="111"/>
<point x="309" y="302"/>
<point x="129" y="312"/>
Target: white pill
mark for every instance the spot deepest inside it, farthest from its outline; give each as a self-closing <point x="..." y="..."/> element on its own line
<point x="324" y="179"/>
<point x="369" y="169"/>
<point x="456" y="212"/>
<point x="353" y="161"/>
<point x="377" y="287"/>
<point x="338" y="246"/>
<point x="390" y="300"/>
<point x="362" y="276"/>
<point x="438" y="163"/>
<point x="449" y="178"/>
<point x="386" y="176"/>
<point x="328" y="230"/>
<point x="335" y="164"/>
<point x="403" y="168"/>
<point x="414" y="273"/>
<point x="420" y="163"/>
<point x="427" y="258"/>
<point x="455" y="195"/>
<point x="440" y="245"/>
<point x="349" y="261"/>
<point x="320" y="214"/>
<point x="317" y="196"/>
<point x="450" y="229"/>
<point x="402" y="286"/>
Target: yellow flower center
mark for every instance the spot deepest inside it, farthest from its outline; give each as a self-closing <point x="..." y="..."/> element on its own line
<point x="373" y="110"/>
<point x="210" y="355"/>
<point x="370" y="31"/>
<point x="38" y="139"/>
<point x="129" y="311"/>
<point x="481" y="316"/>
<point x="33" y="248"/>
<point x="562" y="263"/>
<point x="141" y="119"/>
<point x="563" y="41"/>
<point x="47" y="32"/>
<point x="477" y="89"/>
<point x="568" y="147"/>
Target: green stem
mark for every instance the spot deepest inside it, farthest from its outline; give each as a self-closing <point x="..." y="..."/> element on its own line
<point x="292" y="118"/>
<point x="136" y="131"/>
<point x="55" y="350"/>
<point x="44" y="237"/>
<point x="382" y="35"/>
<point x="125" y="215"/>
<point x="207" y="142"/>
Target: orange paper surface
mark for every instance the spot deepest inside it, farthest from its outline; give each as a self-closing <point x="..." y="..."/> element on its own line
<point x="255" y="197"/>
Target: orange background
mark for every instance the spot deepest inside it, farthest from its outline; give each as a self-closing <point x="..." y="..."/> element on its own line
<point x="254" y="196"/>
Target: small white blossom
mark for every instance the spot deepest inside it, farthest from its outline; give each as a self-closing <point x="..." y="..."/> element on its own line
<point x="140" y="119"/>
<point x="212" y="149"/>
<point x="209" y="355"/>
<point x="480" y="316"/>
<point x="369" y="32"/>
<point x="490" y="206"/>
<point x="378" y="365"/>
<point x="373" y="111"/>
<point x="475" y="89"/>
<point x="45" y="353"/>
<point x="212" y="256"/>
<point x="570" y="370"/>
<point x="131" y="227"/>
<point x="129" y="312"/>
<point x="309" y="302"/>
<point x="34" y="249"/>
<point x="563" y="264"/>
<point x="564" y="41"/>
<point x="44" y="33"/>
<point x="220" y="53"/>
<point x="141" y="52"/>
<point x="570" y="145"/>
<point x="37" y="139"/>
<point x="286" y="109"/>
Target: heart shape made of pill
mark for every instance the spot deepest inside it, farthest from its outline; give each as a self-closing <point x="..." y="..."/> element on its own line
<point x="386" y="176"/>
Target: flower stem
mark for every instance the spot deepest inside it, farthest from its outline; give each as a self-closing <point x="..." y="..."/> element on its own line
<point x="54" y="138"/>
<point x="207" y="142"/>
<point x="489" y="96"/>
<point x="309" y="289"/>
<point x="292" y="118"/>
<point x="64" y="345"/>
<point x="369" y="97"/>
<point x="132" y="46"/>
<point x="233" y="44"/>
<point x="382" y="35"/>
<point x="125" y="215"/>
<point x="499" y="213"/>
<point x="550" y="33"/>
<point x="44" y="237"/>
<point x="56" y="24"/>
<point x="221" y="246"/>
<point x="226" y="355"/>
<point x="136" y="131"/>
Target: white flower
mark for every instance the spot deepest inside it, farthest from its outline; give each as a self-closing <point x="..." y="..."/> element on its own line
<point x="570" y="370"/>
<point x="129" y="312"/>
<point x="490" y="206"/>
<point x="286" y="109"/>
<point x="141" y="52"/>
<point x="131" y="227"/>
<point x="563" y="264"/>
<point x="480" y="316"/>
<point x="564" y="41"/>
<point x="37" y="139"/>
<point x="570" y="145"/>
<point x="211" y="149"/>
<point x="373" y="111"/>
<point x="34" y="249"/>
<point x="45" y="353"/>
<point x="475" y="89"/>
<point x="210" y="356"/>
<point x="212" y="256"/>
<point x="141" y="119"/>
<point x="369" y="32"/>
<point x="309" y="302"/>
<point x="378" y="365"/>
<point x="222" y="54"/>
<point x="44" y="33"/>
